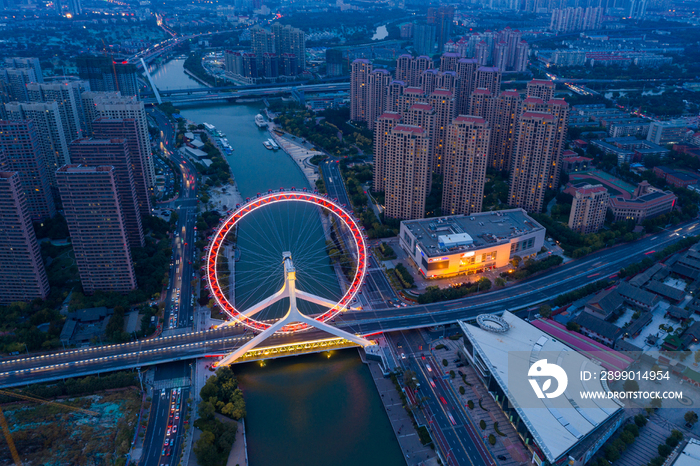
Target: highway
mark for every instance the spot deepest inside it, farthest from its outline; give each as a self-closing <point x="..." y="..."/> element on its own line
<point x="179" y="310"/>
<point x="22" y="370"/>
<point x="166" y="424"/>
<point x="204" y="94"/>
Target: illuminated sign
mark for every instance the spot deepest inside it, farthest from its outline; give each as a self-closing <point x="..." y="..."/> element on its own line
<point x="468" y="254"/>
<point x="438" y="259"/>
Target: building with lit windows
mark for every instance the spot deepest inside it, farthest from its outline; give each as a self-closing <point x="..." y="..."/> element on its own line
<point x="467" y="244"/>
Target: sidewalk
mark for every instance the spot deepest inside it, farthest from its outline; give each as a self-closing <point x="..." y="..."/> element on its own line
<point x="416" y="454"/>
<point x="300" y="155"/>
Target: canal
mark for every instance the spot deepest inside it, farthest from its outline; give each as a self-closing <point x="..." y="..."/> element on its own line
<point x="313" y="410"/>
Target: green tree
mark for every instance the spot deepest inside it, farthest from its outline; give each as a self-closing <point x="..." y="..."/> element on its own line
<point x="691" y="417"/>
<point x="545" y="311"/>
<point x="630" y="386"/>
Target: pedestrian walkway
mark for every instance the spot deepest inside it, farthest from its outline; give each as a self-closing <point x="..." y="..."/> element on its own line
<point x="485" y="407"/>
<point x="415" y="453"/>
<point x="644" y="449"/>
<point x="238" y="455"/>
<point x="171" y="383"/>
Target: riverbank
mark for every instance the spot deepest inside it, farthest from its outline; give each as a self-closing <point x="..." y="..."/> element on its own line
<point x="300" y="154"/>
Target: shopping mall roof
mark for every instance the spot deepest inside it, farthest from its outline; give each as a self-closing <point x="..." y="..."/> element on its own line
<point x="557" y="424"/>
<point x="485" y="229"/>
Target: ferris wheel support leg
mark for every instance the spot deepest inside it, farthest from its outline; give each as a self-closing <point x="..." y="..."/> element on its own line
<point x="264" y="335"/>
<point x="336" y="331"/>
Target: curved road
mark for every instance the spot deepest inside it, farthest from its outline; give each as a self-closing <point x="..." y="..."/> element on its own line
<point x="572" y="275"/>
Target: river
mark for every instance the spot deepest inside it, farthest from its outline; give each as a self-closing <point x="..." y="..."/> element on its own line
<point x="310" y="410"/>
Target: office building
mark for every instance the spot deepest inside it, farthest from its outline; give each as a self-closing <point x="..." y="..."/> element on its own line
<point x="22" y="274"/>
<point x="465" y="165"/>
<point x="128" y="129"/>
<point x="129" y="108"/>
<point x="465" y="244"/>
<point x="105" y="75"/>
<point x="506" y="110"/>
<point x="407" y="172"/>
<point x="96" y="223"/>
<point x="588" y="208"/>
<point x="115" y="153"/>
<point x="67" y="96"/>
<point x="360" y="70"/>
<point x="567" y="429"/>
<point x="49" y="129"/>
<point x="541" y="88"/>
<point x="382" y="131"/>
<point x="533" y="155"/>
<point x="21" y="145"/>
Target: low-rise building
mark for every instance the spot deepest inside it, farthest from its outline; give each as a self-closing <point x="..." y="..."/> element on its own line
<point x="667" y="132"/>
<point x="628" y="149"/>
<point x="605" y="304"/>
<point x="636" y="297"/>
<point x="597" y="328"/>
<point x="647" y="202"/>
<point x="566" y="429"/>
<point x="678" y="178"/>
<point x="466" y="244"/>
<point x="575" y="163"/>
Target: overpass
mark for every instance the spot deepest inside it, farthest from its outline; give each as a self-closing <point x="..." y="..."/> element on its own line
<point x="30" y="369"/>
<point x="241" y="92"/>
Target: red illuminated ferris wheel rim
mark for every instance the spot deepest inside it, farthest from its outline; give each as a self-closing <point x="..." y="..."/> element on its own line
<point x="241" y="212"/>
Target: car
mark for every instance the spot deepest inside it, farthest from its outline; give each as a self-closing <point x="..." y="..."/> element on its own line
<point x="427" y="366"/>
<point x="171" y="442"/>
<point x="163" y="453"/>
<point x="689" y="425"/>
<point x="432" y="383"/>
<point x="502" y="457"/>
<point x="443" y="400"/>
<point x="166" y="443"/>
<point x="403" y="355"/>
<point x="174" y="429"/>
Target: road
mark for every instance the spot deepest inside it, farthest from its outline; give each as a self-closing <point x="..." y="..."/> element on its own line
<point x="179" y="310"/>
<point x="166" y="405"/>
<point x="31" y="369"/>
<point x="459" y="442"/>
<point x="333" y="181"/>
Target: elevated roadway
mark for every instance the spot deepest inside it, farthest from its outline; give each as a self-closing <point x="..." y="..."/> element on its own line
<point x="570" y="276"/>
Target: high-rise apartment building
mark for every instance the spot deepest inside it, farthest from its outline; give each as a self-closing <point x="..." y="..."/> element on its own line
<point x="377" y="83"/>
<point x="105" y="75"/>
<point x="96" y="223"/>
<point x="442" y="17"/>
<point x="22" y="274"/>
<point x="394" y="93"/>
<point x="424" y="38"/>
<point x="128" y="129"/>
<point x="89" y="102"/>
<point x="448" y="61"/>
<point x="261" y="41"/>
<point x="289" y="39"/>
<point x="506" y="111"/>
<point x="26" y="62"/>
<point x="541" y="88"/>
<point x="466" y="69"/>
<point x="533" y="155"/>
<point x="20" y="143"/>
<point x="114" y="152"/>
<point x="382" y="132"/>
<point x="481" y="104"/>
<point x="588" y="208"/>
<point x="129" y="108"/>
<point x="442" y="100"/>
<point x="465" y="165"/>
<point x="407" y="172"/>
<point x="70" y="105"/>
<point x="13" y="82"/>
<point x="49" y="129"/>
<point x="403" y="68"/>
<point x="360" y="70"/>
<point x="488" y="77"/>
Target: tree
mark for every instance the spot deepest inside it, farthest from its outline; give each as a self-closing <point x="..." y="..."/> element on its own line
<point x="655" y="403"/>
<point x="545" y="311"/>
<point x="640" y="420"/>
<point x="502" y="282"/>
<point x="611" y="453"/>
<point x="573" y="326"/>
<point x="664" y="450"/>
<point x="691" y="417"/>
<point x="206" y="410"/>
<point x="630" y="386"/>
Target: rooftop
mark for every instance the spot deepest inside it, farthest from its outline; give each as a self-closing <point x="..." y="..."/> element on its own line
<point x="485" y="228"/>
<point x="557" y="424"/>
